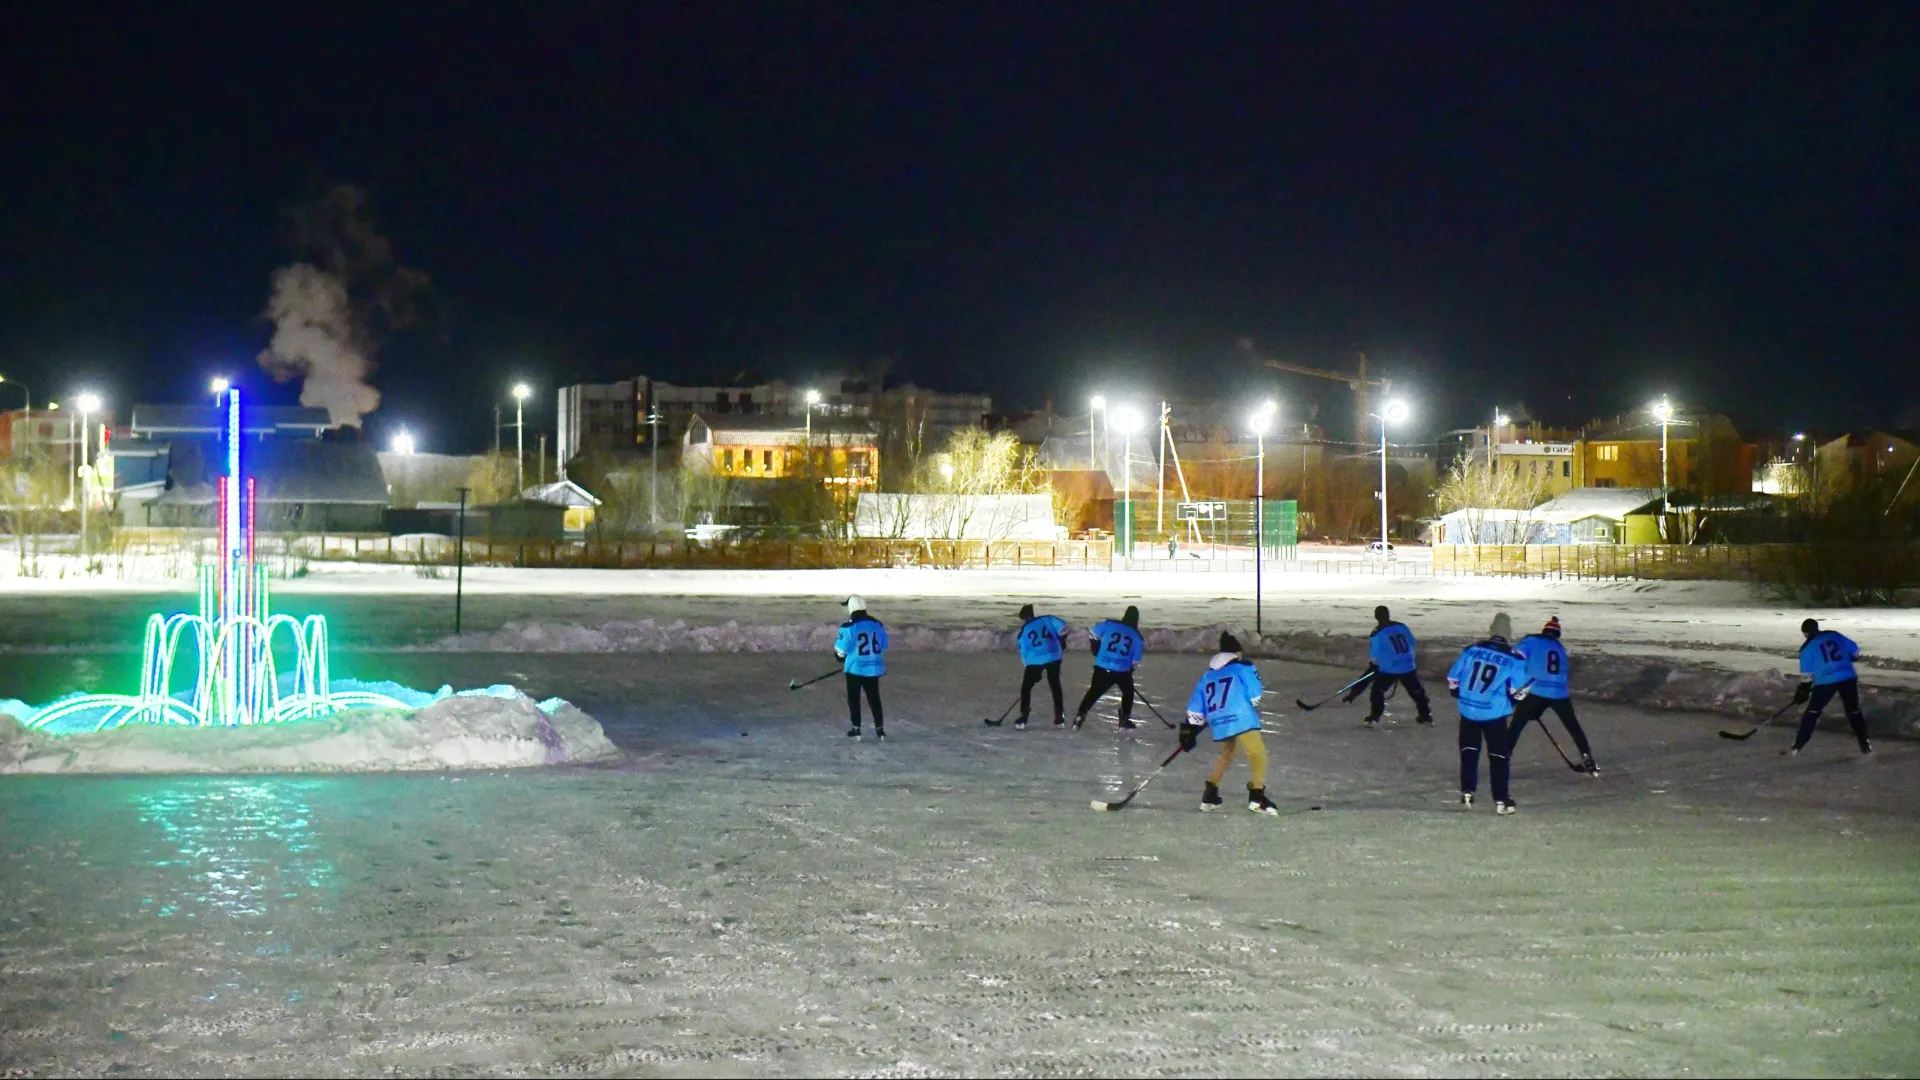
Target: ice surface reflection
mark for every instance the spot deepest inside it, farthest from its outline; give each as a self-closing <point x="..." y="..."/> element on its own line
<point x="238" y="846"/>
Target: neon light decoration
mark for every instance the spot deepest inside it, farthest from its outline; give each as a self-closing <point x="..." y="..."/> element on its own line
<point x="237" y="680"/>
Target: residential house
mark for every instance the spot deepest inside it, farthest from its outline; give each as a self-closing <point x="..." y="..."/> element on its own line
<point x="578" y="502"/>
<point x="1866" y="455"/>
<point x="1705" y="455"/>
<point x="755" y="447"/>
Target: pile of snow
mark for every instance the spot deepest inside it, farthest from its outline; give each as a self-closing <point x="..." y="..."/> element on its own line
<point x="495" y="728"/>
<point x="648" y="636"/>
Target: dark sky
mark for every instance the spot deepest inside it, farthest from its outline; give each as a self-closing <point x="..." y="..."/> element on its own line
<point x="1575" y="206"/>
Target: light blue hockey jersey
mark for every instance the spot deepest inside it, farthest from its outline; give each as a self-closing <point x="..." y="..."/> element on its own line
<point x="1227" y="696"/>
<point x="1486" y="675"/>
<point x="1119" y="647"/>
<point x="1546" y="665"/>
<point x="862" y="644"/>
<point x="1390" y="647"/>
<point x="1041" y="639"/>
<point x="1828" y="657"/>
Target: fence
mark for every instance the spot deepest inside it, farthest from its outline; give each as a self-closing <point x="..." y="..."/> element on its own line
<point x="438" y="551"/>
<point x="1675" y="562"/>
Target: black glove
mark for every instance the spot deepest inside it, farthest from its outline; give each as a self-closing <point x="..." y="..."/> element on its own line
<point x="1802" y="693"/>
<point x="1189" y="737"/>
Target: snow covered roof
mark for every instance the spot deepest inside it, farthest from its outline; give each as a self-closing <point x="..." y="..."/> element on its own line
<point x="560" y="493"/>
<point x="212" y="420"/>
<point x="284" y="470"/>
<point x="1615" y="503"/>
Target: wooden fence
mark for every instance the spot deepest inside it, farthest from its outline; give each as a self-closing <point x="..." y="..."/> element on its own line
<point x="1676" y="562"/>
<point x="438" y="551"/>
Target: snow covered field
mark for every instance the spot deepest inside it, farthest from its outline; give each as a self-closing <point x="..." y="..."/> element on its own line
<point x="788" y="902"/>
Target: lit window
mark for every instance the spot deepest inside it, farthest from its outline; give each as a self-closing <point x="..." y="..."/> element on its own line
<point x="726" y="460"/>
<point x="1609" y="452"/>
<point x="766" y="460"/>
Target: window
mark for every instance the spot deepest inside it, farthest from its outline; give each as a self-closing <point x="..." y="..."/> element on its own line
<point x="1601" y="532"/>
<point x="766" y="460"/>
<point x="1603" y="483"/>
<point x="1609" y="452"/>
<point x="726" y="460"/>
<point x="1566" y="468"/>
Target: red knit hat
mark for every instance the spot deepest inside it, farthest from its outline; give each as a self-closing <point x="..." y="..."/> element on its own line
<point x="1552" y="627"/>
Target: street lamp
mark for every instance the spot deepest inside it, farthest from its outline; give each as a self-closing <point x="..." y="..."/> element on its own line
<point x="1099" y="404"/>
<point x="403" y="443"/>
<point x="813" y="398"/>
<point x="88" y="404"/>
<point x="219" y="386"/>
<point x="1663" y="411"/>
<point x="520" y="394"/>
<point x="1128" y="421"/>
<point x="1395" y="412"/>
<point x="1259" y="422"/>
<point x="1493" y="438"/>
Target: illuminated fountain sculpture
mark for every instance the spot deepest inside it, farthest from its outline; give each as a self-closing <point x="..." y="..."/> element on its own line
<point x="237" y="680"/>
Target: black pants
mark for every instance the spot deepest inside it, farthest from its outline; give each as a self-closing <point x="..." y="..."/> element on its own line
<point x="1103" y="681"/>
<point x="870" y="683"/>
<point x="1377" y="694"/>
<point x="1495" y="734"/>
<point x="1849" y="692"/>
<point x="1031" y="678"/>
<point x="1533" y="707"/>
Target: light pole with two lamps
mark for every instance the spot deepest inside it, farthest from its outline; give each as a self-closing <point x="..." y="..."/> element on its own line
<point x="1395" y="412"/>
<point x="1128" y="421"/>
<point x="1099" y="404"/>
<point x="1663" y="412"/>
<point x="1259" y="422"/>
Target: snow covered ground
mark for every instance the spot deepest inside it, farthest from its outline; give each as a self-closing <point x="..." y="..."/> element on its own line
<point x="749" y="892"/>
<point x="498" y="728"/>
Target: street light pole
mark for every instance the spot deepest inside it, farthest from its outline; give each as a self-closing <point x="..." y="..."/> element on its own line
<point x="1259" y="425"/>
<point x="1093" y="415"/>
<point x="1393" y="412"/>
<point x="1663" y="410"/>
<point x="87" y="403"/>
<point x="520" y="392"/>
<point x="1493" y="437"/>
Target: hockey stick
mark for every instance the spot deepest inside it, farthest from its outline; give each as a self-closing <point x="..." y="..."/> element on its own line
<point x="1098" y="805"/>
<point x="1003" y="714"/>
<point x="1755" y="730"/>
<point x="1150" y="708"/>
<point x="1309" y="708"/>
<point x="1556" y="747"/>
<point x="794" y="684"/>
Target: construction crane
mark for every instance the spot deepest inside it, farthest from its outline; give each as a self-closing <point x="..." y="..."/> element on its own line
<point x="1358" y="383"/>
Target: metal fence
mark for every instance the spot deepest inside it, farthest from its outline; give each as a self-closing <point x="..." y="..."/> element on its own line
<point x="1605" y="562"/>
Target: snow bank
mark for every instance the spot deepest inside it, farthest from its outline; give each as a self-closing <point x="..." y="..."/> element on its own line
<point x="496" y="728"/>
<point x="1635" y="680"/>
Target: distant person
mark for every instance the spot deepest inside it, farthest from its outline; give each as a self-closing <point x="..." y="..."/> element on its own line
<point x="1548" y="673"/>
<point x="1826" y="661"/>
<point x="1117" y="650"/>
<point x="1226" y="702"/>
<point x="1488" y="678"/>
<point x="862" y="648"/>
<point x="1042" y="641"/>
<point x="1390" y="660"/>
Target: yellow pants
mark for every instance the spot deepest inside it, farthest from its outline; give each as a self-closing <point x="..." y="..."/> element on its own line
<point x="1256" y="750"/>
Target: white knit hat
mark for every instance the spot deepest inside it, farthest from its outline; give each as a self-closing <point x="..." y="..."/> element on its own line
<point x="856" y="603"/>
<point x="1502" y="626"/>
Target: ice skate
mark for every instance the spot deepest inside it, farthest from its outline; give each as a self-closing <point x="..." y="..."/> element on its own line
<point x="1466" y="799"/>
<point x="853" y="732"/>
<point x="1210" y="799"/>
<point x="1504" y="807"/>
<point x="1020" y="724"/>
<point x="879" y="734"/>
<point x="1586" y="763"/>
<point x="1258" y="802"/>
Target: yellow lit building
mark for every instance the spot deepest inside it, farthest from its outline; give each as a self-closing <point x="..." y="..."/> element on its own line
<point x="776" y="448"/>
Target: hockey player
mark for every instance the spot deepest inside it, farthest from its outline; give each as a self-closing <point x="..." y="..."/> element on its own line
<point x="1826" y="662"/>
<point x="862" y="648"/>
<point x="1488" y="678"/>
<point x="1390" y="660"/>
<point x="1117" y="649"/>
<point x="1041" y="641"/>
<point x="1226" y="701"/>
<point x="1547" y="673"/>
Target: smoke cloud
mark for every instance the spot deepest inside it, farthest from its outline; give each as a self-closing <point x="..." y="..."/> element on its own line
<point x="330" y="310"/>
<point x="316" y="340"/>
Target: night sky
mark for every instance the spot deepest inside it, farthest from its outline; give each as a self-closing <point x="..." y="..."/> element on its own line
<point x="1575" y="207"/>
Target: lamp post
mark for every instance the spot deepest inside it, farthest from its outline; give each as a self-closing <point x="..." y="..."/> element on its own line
<point x="1493" y="439"/>
<point x="403" y="443"/>
<point x="1259" y="421"/>
<point x="520" y="393"/>
<point x="89" y="404"/>
<point x="1663" y="411"/>
<point x="219" y="386"/>
<point x="1128" y="422"/>
<point x="1395" y="412"/>
<point x="1099" y="404"/>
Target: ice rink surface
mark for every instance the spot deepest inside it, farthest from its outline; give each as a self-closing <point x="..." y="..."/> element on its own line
<point x="749" y="891"/>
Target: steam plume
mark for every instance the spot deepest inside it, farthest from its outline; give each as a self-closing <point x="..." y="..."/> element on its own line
<point x="315" y="340"/>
